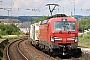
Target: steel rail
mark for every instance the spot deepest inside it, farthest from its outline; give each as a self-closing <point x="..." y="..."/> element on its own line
<point x="7" y="49"/>
<point x="21" y="52"/>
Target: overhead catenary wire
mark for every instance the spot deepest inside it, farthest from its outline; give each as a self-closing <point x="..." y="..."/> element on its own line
<point x="57" y="1"/>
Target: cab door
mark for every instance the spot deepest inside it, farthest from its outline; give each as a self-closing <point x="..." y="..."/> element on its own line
<point x="43" y="31"/>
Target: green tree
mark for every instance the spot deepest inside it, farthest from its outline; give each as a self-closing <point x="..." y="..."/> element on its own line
<point x="84" y="24"/>
<point x="9" y="29"/>
<point x="39" y="19"/>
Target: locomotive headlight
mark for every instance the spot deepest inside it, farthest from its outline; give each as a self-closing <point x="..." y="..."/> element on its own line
<point x="52" y="38"/>
<point x="73" y="38"/>
<point x="57" y="38"/>
<point x="76" y="39"/>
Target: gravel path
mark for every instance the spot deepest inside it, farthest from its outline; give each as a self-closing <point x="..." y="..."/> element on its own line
<point x="32" y="53"/>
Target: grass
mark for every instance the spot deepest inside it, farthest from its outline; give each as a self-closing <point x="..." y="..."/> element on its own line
<point x="2" y="59"/>
<point x="10" y="37"/>
<point x="26" y="50"/>
<point x="84" y="40"/>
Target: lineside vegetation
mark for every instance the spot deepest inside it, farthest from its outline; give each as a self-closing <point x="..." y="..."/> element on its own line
<point x="9" y="29"/>
<point x="84" y="39"/>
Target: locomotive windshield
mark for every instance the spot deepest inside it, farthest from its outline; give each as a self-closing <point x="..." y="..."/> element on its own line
<point x="64" y="26"/>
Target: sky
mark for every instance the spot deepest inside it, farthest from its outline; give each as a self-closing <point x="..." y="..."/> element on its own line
<point x="39" y="8"/>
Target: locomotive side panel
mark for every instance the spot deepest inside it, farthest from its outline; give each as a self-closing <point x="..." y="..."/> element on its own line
<point x="43" y="32"/>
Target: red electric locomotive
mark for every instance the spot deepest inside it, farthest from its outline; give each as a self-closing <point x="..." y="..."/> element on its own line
<point x="58" y="34"/>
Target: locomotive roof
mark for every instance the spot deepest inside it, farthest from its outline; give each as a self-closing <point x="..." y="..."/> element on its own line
<point x="54" y="16"/>
<point x="57" y="15"/>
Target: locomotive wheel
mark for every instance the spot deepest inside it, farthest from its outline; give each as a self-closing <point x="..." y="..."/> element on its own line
<point x="77" y="53"/>
<point x="53" y="52"/>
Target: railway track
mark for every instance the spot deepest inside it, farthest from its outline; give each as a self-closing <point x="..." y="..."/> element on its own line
<point x="29" y="52"/>
<point x="13" y="51"/>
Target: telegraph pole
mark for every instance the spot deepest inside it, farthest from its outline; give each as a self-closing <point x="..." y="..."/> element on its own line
<point x="1" y="2"/>
<point x="8" y="12"/>
<point x="53" y="7"/>
<point x="9" y="16"/>
<point x="74" y="7"/>
<point x="63" y="9"/>
<point x="8" y="9"/>
<point x="29" y="23"/>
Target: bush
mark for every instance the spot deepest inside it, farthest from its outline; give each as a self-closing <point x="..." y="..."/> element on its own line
<point x="9" y="29"/>
<point x="0" y="36"/>
<point x="81" y="36"/>
<point x="86" y="36"/>
<point x="84" y="40"/>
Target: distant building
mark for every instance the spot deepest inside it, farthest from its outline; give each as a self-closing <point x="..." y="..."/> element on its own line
<point x="10" y="21"/>
<point x="25" y="27"/>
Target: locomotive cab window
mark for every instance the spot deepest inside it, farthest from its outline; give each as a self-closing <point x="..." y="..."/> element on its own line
<point x="44" y="22"/>
<point x="64" y="26"/>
